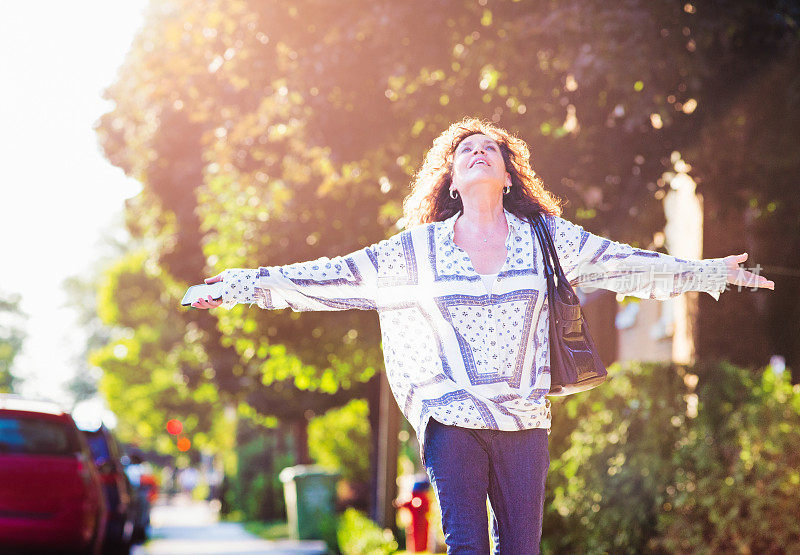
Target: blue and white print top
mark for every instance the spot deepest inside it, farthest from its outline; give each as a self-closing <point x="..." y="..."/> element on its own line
<point x="453" y="350"/>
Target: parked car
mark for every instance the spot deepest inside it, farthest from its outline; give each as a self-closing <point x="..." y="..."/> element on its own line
<point x="51" y="496"/>
<point x="117" y="488"/>
<point x="140" y="475"/>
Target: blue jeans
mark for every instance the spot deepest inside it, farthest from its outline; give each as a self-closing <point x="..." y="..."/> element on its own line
<point x="465" y="466"/>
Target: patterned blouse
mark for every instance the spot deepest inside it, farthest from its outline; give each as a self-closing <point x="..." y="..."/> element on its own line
<point x="454" y="350"/>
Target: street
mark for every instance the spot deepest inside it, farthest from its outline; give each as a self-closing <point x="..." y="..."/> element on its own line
<point x="187" y="527"/>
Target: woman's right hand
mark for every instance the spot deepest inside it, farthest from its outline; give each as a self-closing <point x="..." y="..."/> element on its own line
<point x="209" y="302"/>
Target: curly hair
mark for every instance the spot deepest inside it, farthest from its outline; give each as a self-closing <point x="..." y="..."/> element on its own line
<point x="430" y="201"/>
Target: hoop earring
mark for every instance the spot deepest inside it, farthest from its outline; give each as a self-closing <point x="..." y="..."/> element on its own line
<point x="453" y="194"/>
<point x="506" y="189"/>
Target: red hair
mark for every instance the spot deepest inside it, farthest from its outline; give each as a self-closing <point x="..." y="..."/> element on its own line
<point x="430" y="201"/>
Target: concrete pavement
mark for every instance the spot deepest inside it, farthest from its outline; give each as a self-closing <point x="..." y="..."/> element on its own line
<point x="187" y="527"/>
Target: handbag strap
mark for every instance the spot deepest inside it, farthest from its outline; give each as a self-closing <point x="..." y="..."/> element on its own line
<point x="548" y="269"/>
<point x="552" y="264"/>
<point x="559" y="271"/>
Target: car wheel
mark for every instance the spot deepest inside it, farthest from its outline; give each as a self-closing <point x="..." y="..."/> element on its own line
<point x="95" y="546"/>
<point x="121" y="549"/>
<point x="139" y="535"/>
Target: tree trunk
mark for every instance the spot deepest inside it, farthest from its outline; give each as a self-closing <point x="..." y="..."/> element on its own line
<point x="300" y="430"/>
<point x="387" y="450"/>
<point x="373" y="393"/>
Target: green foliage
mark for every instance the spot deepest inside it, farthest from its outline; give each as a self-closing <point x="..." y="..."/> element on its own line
<point x="254" y="489"/>
<point x="82" y="298"/>
<point x="358" y="535"/>
<point x="274" y="530"/>
<point x="12" y="337"/>
<point x="154" y="365"/>
<point x="609" y="472"/>
<point x="341" y="440"/>
<point x="661" y="458"/>
<point x="741" y="480"/>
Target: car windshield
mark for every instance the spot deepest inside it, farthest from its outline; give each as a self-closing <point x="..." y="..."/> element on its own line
<point x="31" y="436"/>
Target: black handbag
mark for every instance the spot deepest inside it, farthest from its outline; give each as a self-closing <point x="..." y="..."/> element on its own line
<point x="574" y="363"/>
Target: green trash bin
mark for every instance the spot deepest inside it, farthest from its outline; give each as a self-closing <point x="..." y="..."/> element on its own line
<point x="310" y="494"/>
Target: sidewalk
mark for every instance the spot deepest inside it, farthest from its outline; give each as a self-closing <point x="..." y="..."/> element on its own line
<point x="187" y="527"/>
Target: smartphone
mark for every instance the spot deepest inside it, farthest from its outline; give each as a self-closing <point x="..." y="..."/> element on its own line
<point x="197" y="292"/>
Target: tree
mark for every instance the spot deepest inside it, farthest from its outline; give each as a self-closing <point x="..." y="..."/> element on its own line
<point x="246" y="121"/>
<point x="148" y="359"/>
<point x="12" y="337"/>
<point x="82" y="297"/>
<point x="340" y="440"/>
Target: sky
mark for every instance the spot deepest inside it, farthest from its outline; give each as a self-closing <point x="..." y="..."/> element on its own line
<point x="61" y="199"/>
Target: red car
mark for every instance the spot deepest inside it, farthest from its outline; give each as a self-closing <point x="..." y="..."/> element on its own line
<point x="50" y="491"/>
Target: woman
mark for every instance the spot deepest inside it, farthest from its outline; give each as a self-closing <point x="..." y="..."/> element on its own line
<point x="461" y="299"/>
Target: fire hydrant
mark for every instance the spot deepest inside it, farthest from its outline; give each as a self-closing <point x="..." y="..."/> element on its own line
<point x="418" y="506"/>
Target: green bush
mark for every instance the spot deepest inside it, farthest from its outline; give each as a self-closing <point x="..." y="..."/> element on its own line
<point x="737" y="484"/>
<point x="358" y="535"/>
<point x="610" y="461"/>
<point x="680" y="460"/>
<point x="340" y="440"/>
<point x="274" y="530"/>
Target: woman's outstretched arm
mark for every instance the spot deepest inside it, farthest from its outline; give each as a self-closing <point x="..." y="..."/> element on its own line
<point x="339" y="283"/>
<point x="589" y="260"/>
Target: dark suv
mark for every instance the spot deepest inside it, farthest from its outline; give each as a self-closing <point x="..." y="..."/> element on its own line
<point x="117" y="489"/>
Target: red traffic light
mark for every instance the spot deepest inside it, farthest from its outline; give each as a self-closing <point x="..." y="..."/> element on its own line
<point x="174" y="427"/>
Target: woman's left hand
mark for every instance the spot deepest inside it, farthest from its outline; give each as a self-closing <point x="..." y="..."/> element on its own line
<point x="739" y="276"/>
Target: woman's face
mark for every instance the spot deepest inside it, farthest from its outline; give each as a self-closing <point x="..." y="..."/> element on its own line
<point x="478" y="161"/>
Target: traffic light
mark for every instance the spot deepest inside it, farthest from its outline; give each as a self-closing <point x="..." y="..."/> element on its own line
<point x="174" y="427"/>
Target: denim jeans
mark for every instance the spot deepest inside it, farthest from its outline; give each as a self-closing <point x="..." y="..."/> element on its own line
<point x="465" y="466"/>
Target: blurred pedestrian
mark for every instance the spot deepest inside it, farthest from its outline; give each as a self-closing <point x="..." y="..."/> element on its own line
<point x="214" y="477"/>
<point x="187" y="478"/>
<point x="171" y="484"/>
<point x="461" y="299"/>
